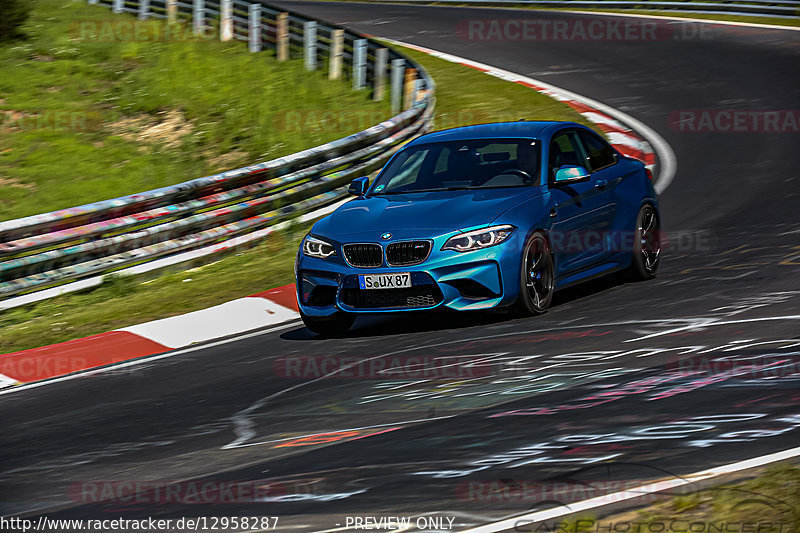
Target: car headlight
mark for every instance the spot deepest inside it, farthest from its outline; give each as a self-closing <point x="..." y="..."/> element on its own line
<point x="479" y="239"/>
<point x="313" y="247"/>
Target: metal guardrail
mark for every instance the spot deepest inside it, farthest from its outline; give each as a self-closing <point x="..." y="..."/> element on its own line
<point x="753" y="8"/>
<point x="51" y="249"/>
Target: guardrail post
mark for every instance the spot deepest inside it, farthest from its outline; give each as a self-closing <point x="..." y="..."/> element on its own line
<point x="381" y="55"/>
<point x="282" y="36"/>
<point x="199" y="17"/>
<point x="310" y="44"/>
<point x="417" y="91"/>
<point x="226" y="20"/>
<point x="359" y="63"/>
<point x="335" y="61"/>
<point x="398" y="66"/>
<point x="254" y="28"/>
<point x="55" y="266"/>
<point x="408" y="88"/>
<point x="172" y="11"/>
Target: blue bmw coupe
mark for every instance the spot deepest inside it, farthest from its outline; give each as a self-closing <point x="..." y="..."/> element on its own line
<point x="478" y="217"/>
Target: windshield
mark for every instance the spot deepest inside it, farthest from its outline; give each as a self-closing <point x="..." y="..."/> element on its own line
<point x="465" y="164"/>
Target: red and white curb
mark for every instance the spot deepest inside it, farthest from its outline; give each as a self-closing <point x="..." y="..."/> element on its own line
<point x="258" y="311"/>
<point x="237" y="316"/>
<point x="278" y="306"/>
<point x="628" y="135"/>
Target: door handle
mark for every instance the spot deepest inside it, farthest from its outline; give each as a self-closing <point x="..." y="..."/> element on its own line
<point x="553" y="213"/>
<point x="601" y="184"/>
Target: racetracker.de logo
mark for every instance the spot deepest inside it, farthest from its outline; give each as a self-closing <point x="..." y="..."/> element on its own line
<point x="764" y="366"/>
<point x="557" y="493"/>
<point x="34" y="369"/>
<point x="735" y="120"/>
<point x="49" y="120"/>
<point x="173" y="493"/>
<point x="580" y="29"/>
<point x="318" y="120"/>
<point x="573" y="242"/>
<point x="389" y="367"/>
<point x="132" y="30"/>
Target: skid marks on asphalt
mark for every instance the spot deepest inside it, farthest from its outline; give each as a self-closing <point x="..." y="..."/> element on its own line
<point x="687" y="354"/>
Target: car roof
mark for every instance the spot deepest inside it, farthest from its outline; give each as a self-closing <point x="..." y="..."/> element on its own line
<point x="522" y="128"/>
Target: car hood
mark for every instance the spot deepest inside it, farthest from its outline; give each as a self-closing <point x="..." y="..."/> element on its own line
<point x="441" y="211"/>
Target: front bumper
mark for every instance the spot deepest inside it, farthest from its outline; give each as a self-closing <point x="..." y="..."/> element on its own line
<point x="459" y="281"/>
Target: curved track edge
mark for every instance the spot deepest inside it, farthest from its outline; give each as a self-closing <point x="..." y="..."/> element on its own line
<point x="277" y="306"/>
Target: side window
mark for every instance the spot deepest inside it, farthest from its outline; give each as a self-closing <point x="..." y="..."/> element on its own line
<point x="598" y="152"/>
<point x="564" y="151"/>
<point x="409" y="170"/>
<point x="441" y="161"/>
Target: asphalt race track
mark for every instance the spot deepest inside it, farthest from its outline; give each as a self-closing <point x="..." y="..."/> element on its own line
<point x="612" y="384"/>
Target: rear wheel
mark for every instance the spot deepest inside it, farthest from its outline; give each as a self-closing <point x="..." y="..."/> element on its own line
<point x="647" y="245"/>
<point x="336" y="324"/>
<point x="537" y="280"/>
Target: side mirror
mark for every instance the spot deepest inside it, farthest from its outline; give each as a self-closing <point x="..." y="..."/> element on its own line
<point x="571" y="174"/>
<point x="359" y="186"/>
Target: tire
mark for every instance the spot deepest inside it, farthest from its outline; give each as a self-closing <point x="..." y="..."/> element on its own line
<point x="647" y="245"/>
<point x="537" y="277"/>
<point x="336" y="324"/>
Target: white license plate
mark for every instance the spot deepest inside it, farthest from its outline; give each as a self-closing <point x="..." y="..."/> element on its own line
<point x="398" y="280"/>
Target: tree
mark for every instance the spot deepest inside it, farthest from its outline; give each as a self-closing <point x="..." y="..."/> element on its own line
<point x="13" y="14"/>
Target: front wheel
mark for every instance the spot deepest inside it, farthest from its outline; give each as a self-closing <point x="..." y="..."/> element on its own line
<point x="646" y="245"/>
<point x="537" y="280"/>
<point x="336" y="324"/>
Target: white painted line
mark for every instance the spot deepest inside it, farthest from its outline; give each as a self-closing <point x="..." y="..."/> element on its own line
<point x="230" y="318"/>
<point x="659" y="486"/>
<point x="6" y="381"/>
<point x="148" y="359"/>
<point x="666" y="157"/>
<point x="708" y="322"/>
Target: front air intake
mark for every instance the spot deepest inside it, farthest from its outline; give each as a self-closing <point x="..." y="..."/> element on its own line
<point x="407" y="252"/>
<point x="363" y="255"/>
